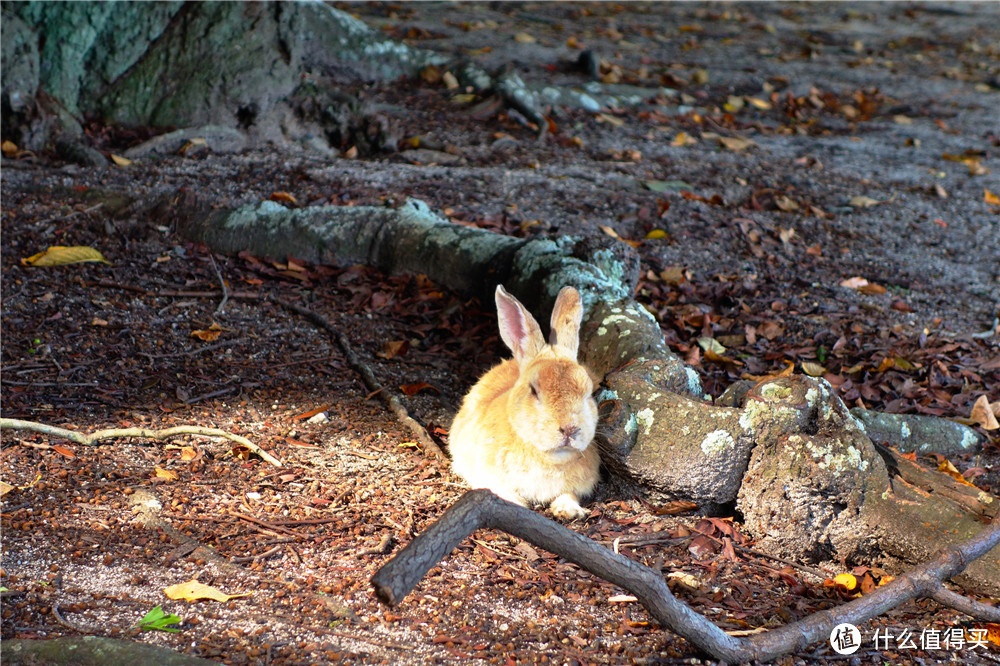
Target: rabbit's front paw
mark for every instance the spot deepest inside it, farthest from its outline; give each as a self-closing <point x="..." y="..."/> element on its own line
<point x="565" y="507"/>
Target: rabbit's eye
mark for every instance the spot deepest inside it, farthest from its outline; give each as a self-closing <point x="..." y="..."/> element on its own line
<point x="534" y="391"/>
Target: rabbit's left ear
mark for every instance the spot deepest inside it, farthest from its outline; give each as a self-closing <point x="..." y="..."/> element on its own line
<point x="565" y="324"/>
<point x="518" y="329"/>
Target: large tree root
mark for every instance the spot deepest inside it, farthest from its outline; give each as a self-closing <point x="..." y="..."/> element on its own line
<point x="93" y="651"/>
<point x="479" y="509"/>
<point x="145" y="433"/>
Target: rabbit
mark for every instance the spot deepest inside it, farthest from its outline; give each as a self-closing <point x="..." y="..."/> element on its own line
<point x="525" y="430"/>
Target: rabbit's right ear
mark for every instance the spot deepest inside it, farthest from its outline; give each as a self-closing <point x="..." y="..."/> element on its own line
<point x="566" y="316"/>
<point x="518" y="329"/>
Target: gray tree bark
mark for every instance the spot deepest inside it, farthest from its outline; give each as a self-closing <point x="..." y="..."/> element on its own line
<point x="275" y="69"/>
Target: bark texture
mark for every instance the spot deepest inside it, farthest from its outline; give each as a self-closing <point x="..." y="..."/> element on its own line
<point x="275" y="68"/>
<point x="93" y="651"/>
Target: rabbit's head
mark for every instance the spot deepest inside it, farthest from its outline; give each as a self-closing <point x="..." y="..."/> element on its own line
<point x="550" y="405"/>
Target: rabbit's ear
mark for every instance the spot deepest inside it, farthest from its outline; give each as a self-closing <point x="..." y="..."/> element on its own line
<point x="518" y="329"/>
<point x="565" y="325"/>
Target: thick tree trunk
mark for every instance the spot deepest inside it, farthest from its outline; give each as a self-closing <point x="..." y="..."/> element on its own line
<point x="274" y="69"/>
<point x="786" y="452"/>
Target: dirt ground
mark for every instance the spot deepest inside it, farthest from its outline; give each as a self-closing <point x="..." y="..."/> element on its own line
<point x="874" y="149"/>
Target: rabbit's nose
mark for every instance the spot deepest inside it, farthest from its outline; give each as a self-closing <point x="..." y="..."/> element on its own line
<point x="569" y="431"/>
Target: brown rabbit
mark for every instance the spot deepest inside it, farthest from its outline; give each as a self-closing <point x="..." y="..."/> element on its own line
<point x="524" y="430"/>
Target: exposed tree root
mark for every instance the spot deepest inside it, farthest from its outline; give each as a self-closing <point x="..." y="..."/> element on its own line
<point x="93" y="651"/>
<point x="146" y="433"/>
<point x="479" y="509"/>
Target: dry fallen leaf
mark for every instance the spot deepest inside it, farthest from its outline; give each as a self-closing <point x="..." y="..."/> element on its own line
<point x="9" y="148"/>
<point x="982" y="414"/>
<point x="845" y="580"/>
<point x="60" y="255"/>
<point x="621" y="599"/>
<point x="192" y="590"/>
<point x="394" y="348"/>
<point x="413" y="389"/>
<point x="191" y="143"/>
<point x="611" y="120"/>
<point x="735" y="143"/>
<point x="953" y="472"/>
<point x="861" y="201"/>
<point x="863" y="285"/>
<point x="64" y="451"/>
<point x="786" y="203"/>
<point x="211" y="334"/>
<point x="284" y="197"/>
<point x="614" y="234"/>
<point x="813" y="369"/>
<point x="990" y="198"/>
<point x="685" y="579"/>
<point x="120" y="161"/>
<point x="165" y="474"/>
<point x="683" y="139"/>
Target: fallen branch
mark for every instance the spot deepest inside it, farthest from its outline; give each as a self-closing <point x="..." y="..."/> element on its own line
<point x="479" y="509"/>
<point x="386" y="396"/>
<point x="115" y="433"/>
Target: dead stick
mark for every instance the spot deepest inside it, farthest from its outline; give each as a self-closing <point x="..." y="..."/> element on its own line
<point x="222" y="283"/>
<point x="266" y="525"/>
<point x="169" y="292"/>
<point x="114" y="433"/>
<point x="479" y="509"/>
<point x="388" y="397"/>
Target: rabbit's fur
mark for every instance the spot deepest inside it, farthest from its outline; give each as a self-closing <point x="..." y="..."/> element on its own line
<point x="525" y="430"/>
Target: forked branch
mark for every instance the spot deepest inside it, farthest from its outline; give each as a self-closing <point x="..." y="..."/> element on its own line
<point x="479" y="509"/>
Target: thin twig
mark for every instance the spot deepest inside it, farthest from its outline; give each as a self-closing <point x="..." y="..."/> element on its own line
<point x="69" y="625"/>
<point x="388" y="397"/>
<point x="192" y="352"/>
<point x="73" y="214"/>
<point x="222" y="281"/>
<point x="169" y="293"/>
<point x="257" y="557"/>
<point x="818" y="573"/>
<point x="114" y="433"/>
<point x="266" y="525"/>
